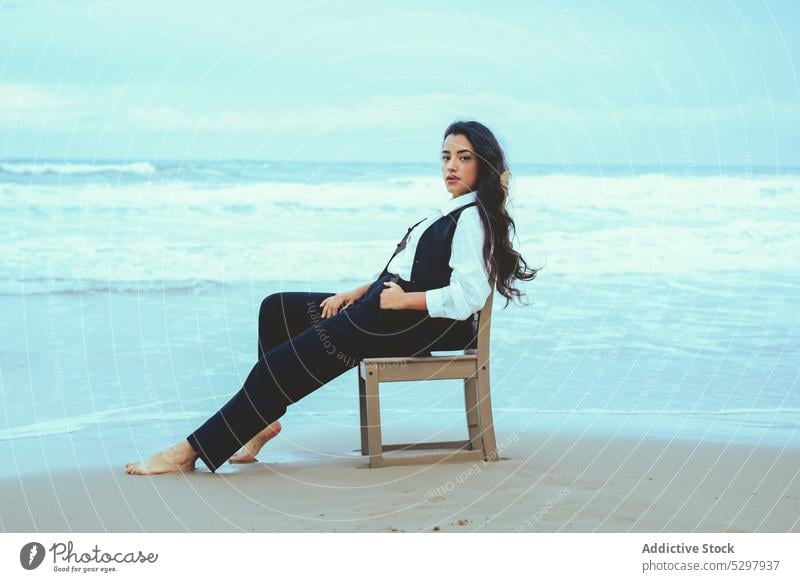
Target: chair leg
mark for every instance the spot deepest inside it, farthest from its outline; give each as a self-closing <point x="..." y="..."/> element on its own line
<point x="473" y="420"/>
<point x="374" y="445"/>
<point x="486" y="422"/>
<point x="362" y="406"/>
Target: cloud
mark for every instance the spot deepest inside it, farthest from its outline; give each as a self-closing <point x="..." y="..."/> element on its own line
<point x="389" y="112"/>
<point x="21" y="98"/>
<point x="115" y="108"/>
<point x="376" y="112"/>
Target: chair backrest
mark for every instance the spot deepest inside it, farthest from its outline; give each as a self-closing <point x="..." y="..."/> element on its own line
<point x="484" y="325"/>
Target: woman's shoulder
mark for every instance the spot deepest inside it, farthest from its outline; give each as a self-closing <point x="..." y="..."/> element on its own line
<point x="469" y="215"/>
<point x="469" y="225"/>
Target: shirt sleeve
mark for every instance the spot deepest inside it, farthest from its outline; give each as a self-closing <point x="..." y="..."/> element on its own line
<point x="469" y="282"/>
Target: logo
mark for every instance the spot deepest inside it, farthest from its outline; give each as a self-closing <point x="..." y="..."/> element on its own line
<point x="31" y="555"/>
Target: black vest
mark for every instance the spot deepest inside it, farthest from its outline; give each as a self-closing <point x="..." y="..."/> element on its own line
<point x="431" y="270"/>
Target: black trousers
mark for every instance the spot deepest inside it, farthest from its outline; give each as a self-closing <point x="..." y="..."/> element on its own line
<point x="298" y="352"/>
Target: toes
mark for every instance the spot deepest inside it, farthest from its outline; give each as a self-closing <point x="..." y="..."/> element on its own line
<point x="241" y="459"/>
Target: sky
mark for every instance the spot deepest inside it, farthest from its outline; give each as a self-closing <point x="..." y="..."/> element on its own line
<point x="565" y="83"/>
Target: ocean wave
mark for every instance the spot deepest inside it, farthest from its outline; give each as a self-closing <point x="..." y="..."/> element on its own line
<point x="98" y="229"/>
<point x="40" y="168"/>
<point x="56" y="286"/>
<point x="129" y="414"/>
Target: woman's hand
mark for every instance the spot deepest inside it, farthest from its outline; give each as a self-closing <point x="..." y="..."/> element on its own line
<point x="331" y="305"/>
<point x="393" y="296"/>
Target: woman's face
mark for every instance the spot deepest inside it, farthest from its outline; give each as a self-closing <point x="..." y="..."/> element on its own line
<point x="459" y="165"/>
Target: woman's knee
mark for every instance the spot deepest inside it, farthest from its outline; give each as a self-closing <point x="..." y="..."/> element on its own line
<point x="270" y="307"/>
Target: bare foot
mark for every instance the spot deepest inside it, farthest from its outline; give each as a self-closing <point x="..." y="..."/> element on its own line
<point x="178" y="458"/>
<point x="248" y="452"/>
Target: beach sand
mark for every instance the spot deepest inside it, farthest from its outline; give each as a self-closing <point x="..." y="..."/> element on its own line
<point x="544" y="482"/>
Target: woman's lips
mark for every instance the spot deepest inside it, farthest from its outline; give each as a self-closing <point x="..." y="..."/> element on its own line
<point x="452" y="179"/>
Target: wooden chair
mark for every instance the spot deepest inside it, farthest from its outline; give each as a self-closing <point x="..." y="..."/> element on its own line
<point x="472" y="367"/>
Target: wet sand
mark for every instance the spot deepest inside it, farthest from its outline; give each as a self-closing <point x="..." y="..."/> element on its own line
<point x="544" y="482"/>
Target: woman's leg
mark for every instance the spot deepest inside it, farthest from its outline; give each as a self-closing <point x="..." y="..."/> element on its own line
<point x="284" y="375"/>
<point x="281" y="316"/>
<point x="284" y="315"/>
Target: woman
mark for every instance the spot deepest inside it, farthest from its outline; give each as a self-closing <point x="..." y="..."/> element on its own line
<point x="439" y="275"/>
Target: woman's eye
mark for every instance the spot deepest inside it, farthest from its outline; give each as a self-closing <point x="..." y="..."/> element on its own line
<point x="465" y="158"/>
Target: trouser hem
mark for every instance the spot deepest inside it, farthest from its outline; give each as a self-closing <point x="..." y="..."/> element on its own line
<point x="198" y="448"/>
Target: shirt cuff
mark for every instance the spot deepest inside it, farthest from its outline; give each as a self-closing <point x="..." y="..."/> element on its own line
<point x="435" y="302"/>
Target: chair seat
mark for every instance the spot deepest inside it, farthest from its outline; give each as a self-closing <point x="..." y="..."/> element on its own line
<point x="403" y="369"/>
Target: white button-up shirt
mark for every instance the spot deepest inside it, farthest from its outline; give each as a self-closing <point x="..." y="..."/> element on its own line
<point x="469" y="282"/>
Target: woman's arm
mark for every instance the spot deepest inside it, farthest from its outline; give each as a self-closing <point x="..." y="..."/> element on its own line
<point x="415" y="300"/>
<point x="393" y="297"/>
<point x="359" y="292"/>
<point x="331" y="305"/>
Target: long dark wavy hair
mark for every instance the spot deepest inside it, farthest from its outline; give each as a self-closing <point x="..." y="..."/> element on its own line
<point x="503" y="262"/>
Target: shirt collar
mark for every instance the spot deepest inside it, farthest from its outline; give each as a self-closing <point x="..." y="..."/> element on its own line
<point x="458" y="202"/>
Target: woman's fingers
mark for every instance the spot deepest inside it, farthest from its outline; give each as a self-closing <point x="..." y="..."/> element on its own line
<point x="326" y="305"/>
<point x="329" y="306"/>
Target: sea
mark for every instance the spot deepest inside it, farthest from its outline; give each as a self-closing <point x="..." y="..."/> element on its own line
<point x="666" y="304"/>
